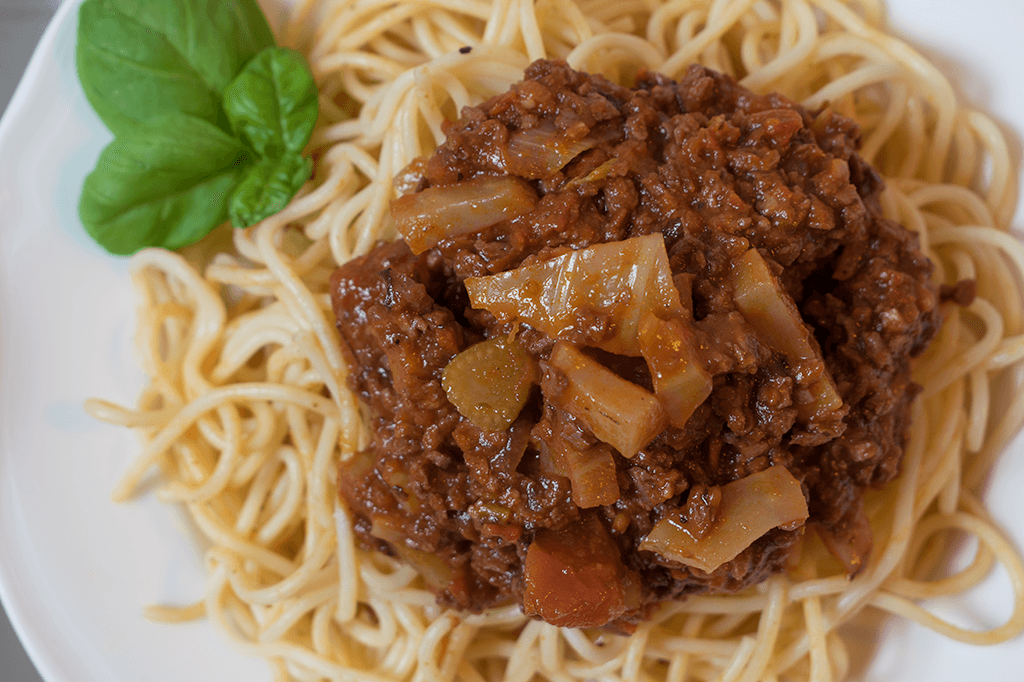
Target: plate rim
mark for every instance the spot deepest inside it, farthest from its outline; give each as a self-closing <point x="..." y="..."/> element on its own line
<point x="29" y="88"/>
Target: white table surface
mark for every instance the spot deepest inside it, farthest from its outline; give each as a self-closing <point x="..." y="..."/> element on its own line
<point x="21" y="25"/>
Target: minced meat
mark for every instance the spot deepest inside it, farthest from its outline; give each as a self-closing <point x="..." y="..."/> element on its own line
<point x="715" y="170"/>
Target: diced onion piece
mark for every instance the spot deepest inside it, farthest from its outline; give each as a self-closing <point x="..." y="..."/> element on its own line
<point x="749" y="508"/>
<point x="574" y="577"/>
<point x="399" y="480"/>
<point x="358" y="465"/>
<point x="592" y="474"/>
<point x="680" y="381"/>
<point x="489" y="382"/>
<point x="770" y="310"/>
<point x="541" y="152"/>
<point x="622" y="279"/>
<point x="616" y="411"/>
<point x="495" y="512"/>
<point x="387" y="529"/>
<point x="436" y="573"/>
<point x="425" y="218"/>
<point x="774" y="315"/>
<point x="598" y="174"/>
<point x="824" y="399"/>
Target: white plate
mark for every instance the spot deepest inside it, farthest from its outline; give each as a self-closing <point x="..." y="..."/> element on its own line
<point x="76" y="569"/>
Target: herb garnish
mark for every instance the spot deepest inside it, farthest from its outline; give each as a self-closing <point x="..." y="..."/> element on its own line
<point x="210" y="118"/>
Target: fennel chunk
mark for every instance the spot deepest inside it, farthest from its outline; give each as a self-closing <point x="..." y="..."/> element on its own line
<point x="772" y="312"/>
<point x="623" y="280"/>
<point x="428" y="217"/>
<point x="672" y="356"/>
<point x="616" y="411"/>
<point x="749" y="508"/>
<point x="489" y="382"/>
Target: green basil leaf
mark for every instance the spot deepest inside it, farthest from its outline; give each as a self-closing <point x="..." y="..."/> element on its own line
<point x="138" y="59"/>
<point x="272" y="103"/>
<point x="268" y="187"/>
<point x="166" y="183"/>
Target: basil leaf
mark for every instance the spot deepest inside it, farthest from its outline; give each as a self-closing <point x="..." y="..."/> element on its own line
<point x="268" y="187"/>
<point x="166" y="183"/>
<point x="138" y="59"/>
<point x="272" y="104"/>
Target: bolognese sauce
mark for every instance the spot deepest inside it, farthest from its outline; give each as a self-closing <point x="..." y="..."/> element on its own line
<point x="634" y="344"/>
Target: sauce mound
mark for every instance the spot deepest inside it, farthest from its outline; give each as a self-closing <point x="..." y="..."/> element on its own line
<point x="634" y="345"/>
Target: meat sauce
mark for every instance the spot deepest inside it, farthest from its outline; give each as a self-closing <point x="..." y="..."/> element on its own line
<point x="545" y="506"/>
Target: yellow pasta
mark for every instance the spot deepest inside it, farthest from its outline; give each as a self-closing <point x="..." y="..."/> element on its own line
<point x="247" y="411"/>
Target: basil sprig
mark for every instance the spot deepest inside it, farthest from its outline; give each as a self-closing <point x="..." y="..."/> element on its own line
<point x="210" y="119"/>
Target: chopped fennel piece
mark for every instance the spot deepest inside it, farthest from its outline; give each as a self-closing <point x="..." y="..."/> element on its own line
<point x="749" y="508"/>
<point x="774" y="316"/>
<point x="616" y="411"/>
<point x="426" y="218"/>
<point x="680" y="381"/>
<point x="436" y="573"/>
<point x="489" y="382"/>
<point x="622" y="279"/>
<point x="592" y="474"/>
<point x="575" y="577"/>
<point x="541" y="152"/>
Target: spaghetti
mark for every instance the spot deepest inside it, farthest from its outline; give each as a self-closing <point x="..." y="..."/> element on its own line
<point x="247" y="410"/>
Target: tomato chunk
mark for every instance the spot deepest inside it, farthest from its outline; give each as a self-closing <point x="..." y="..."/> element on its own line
<point x="575" y="577"/>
